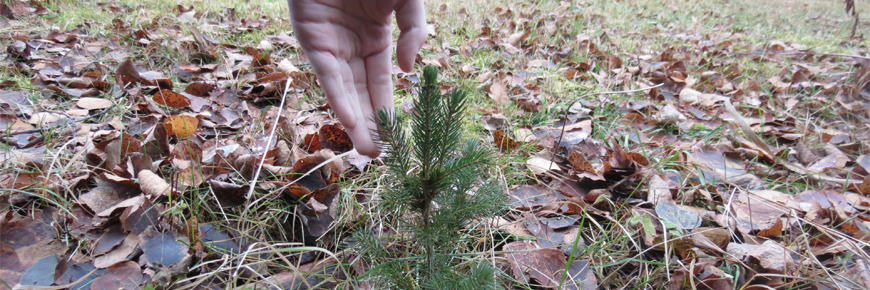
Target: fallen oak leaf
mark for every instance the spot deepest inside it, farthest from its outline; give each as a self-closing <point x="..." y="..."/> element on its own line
<point x="312" y="142"/>
<point x="277" y="170"/>
<point x="141" y="217"/>
<point x="165" y="250"/>
<point x="74" y="272"/>
<point x="539" y="165"/>
<point x="82" y="83"/>
<point x="133" y="201"/>
<point x="41" y="273"/>
<point x="358" y="160"/>
<point x="637" y="158"/>
<point x="296" y="191"/>
<point x="669" y="115"/>
<point x="544" y="265"/>
<point x="156" y="79"/>
<point x="864" y="187"/>
<point x="109" y="239"/>
<point x="319" y="169"/>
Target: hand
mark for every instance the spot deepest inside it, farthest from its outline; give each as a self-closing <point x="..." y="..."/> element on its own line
<point x="349" y="45"/>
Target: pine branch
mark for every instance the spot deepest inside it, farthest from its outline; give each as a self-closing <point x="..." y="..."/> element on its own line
<point x="392" y="137"/>
<point x="433" y="165"/>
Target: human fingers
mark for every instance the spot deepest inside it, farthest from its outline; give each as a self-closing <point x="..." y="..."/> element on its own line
<point x="362" y="134"/>
<point x="411" y="18"/>
<point x="379" y="73"/>
<point x="359" y="134"/>
<point x="329" y="73"/>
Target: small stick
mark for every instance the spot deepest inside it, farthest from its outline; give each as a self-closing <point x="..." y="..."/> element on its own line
<point x="271" y="135"/>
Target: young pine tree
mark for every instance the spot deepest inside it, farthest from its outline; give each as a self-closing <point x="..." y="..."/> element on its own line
<point x="438" y="184"/>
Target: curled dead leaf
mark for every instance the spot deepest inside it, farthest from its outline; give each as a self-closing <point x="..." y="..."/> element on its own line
<point x="152" y="184"/>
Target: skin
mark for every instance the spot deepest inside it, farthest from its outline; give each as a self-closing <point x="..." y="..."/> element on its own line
<point x="349" y="44"/>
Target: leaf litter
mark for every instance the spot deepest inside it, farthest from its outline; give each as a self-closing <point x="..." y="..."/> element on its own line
<point x="123" y="172"/>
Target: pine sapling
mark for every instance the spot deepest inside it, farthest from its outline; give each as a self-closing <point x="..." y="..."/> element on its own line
<point x="437" y="178"/>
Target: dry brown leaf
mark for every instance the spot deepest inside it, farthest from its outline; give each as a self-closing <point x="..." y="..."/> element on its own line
<point x="43" y="119"/>
<point x="93" y="103"/>
<point x="543" y="265"/>
<point x="119" y="253"/>
<point x="864" y="187"/>
<point x="152" y="184"/>
<point x="770" y="255"/>
<point x="580" y="163"/>
<point x="498" y="91"/>
<point x="659" y="190"/>
<point x="333" y="136"/>
<point x="127" y="74"/>
<point x="182" y="126"/>
<point x="311" y="142"/>
<point x="715" y="239"/>
<point x="199" y="89"/>
<point x="495" y="121"/>
<point x="228" y="194"/>
<point x="526" y="197"/>
<point x="171" y="99"/>
<point x="540" y="165"/>
<point x="503" y="141"/>
<point x="669" y="115"/>
<point x="191" y="176"/>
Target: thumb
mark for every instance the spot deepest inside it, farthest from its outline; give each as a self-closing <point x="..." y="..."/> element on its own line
<point x="411" y="18"/>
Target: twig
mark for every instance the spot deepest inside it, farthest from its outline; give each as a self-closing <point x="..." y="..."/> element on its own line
<point x="271" y="135"/>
